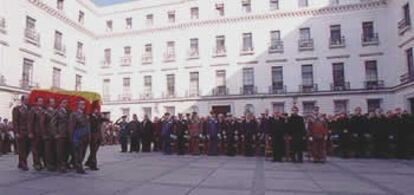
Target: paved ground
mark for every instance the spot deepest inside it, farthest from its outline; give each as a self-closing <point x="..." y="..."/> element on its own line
<point x="147" y="174"/>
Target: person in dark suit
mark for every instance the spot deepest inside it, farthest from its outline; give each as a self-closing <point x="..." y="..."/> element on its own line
<point x="277" y="132"/>
<point x="147" y="134"/>
<point x="297" y="131"/>
<point x="135" y="131"/>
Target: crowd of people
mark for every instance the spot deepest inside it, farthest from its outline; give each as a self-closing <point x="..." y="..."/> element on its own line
<point x="58" y="138"/>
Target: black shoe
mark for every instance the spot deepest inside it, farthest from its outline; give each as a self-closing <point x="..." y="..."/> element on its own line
<point x="81" y="171"/>
<point x="94" y="168"/>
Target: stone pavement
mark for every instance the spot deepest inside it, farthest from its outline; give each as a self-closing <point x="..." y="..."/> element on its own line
<point x="147" y="174"/>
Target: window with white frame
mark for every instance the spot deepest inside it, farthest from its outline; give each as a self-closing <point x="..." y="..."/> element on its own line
<point x="56" y="78"/>
<point x="148" y="84"/>
<point x="371" y="71"/>
<point x="220" y="44"/>
<point x="170" y="84"/>
<point x="279" y="107"/>
<point x="109" y="25"/>
<point x="277" y="78"/>
<point x="248" y="77"/>
<point x="194" y="84"/>
<point x="127" y="50"/>
<point x="274" y="4"/>
<point x="220" y="9"/>
<point x="340" y="106"/>
<point x="128" y="22"/>
<point x="194" y="47"/>
<point x="60" y="4"/>
<point x="106" y="88"/>
<point x="79" y="52"/>
<point x="221" y="78"/>
<point x="303" y="3"/>
<point x="58" y="41"/>
<point x="308" y="108"/>
<point x="107" y="55"/>
<point x="171" y="16"/>
<point x="194" y="13"/>
<point x="247" y="6"/>
<point x="307" y="75"/>
<point x="247" y="42"/>
<point x="78" y="82"/>
<point x="81" y="17"/>
<point x="27" y="73"/>
<point x="149" y="19"/>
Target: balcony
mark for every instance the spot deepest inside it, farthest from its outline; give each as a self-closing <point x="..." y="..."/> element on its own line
<point x="146" y="58"/>
<point x="407" y="77"/>
<point x="219" y="52"/>
<point x="308" y="88"/>
<point x="193" y="54"/>
<point x="31" y="36"/>
<point x="220" y="91"/>
<point x="146" y="96"/>
<point x="374" y="84"/>
<point x="169" y="94"/>
<point x="60" y="50"/>
<point x="247" y="51"/>
<point x="404" y="25"/>
<point x="3" y="25"/>
<point x="277" y="89"/>
<point x="193" y="93"/>
<point x="337" y="42"/>
<point x="305" y="44"/>
<point x="125" y="96"/>
<point x="169" y="57"/>
<point x="28" y="85"/>
<point x="276" y="46"/>
<point x="80" y="58"/>
<point x="248" y="90"/>
<point x="370" y="39"/>
<point x="344" y="86"/>
<point x="126" y="60"/>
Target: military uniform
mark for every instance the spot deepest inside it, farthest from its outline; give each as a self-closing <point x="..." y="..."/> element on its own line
<point x="62" y="138"/>
<point x="135" y="131"/>
<point x="249" y="134"/>
<point x="36" y="128"/>
<point x="277" y="132"/>
<point x="195" y="129"/>
<point x="20" y="124"/>
<point x="297" y="131"/>
<point x="96" y="121"/>
<point x="318" y="132"/>
<point x="147" y="135"/>
<point x="79" y="128"/>
<point x="49" y="134"/>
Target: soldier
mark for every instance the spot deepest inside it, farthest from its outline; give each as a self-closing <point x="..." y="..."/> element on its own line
<point x="123" y="133"/>
<point x="79" y="131"/>
<point x="20" y="124"/>
<point x="195" y="130"/>
<point x="249" y="126"/>
<point x="62" y="135"/>
<point x="277" y="132"/>
<point x="180" y="128"/>
<point x="36" y="127"/>
<point x="379" y="125"/>
<point x="135" y="130"/>
<point x="232" y="127"/>
<point x="358" y="130"/>
<point x="147" y="134"/>
<point x="318" y="132"/>
<point x="212" y="127"/>
<point x="49" y="133"/>
<point x="167" y="132"/>
<point x="222" y="134"/>
<point x="157" y="135"/>
<point x="403" y="134"/>
<point x="297" y="131"/>
<point x="96" y="122"/>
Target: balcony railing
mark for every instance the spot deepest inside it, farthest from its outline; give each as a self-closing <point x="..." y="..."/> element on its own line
<point x="193" y="93"/>
<point x="374" y="84"/>
<point x="370" y="39"/>
<point x="2" y="25"/>
<point x="146" y="58"/>
<point x="146" y="96"/>
<point x="305" y="44"/>
<point x="193" y="54"/>
<point x="248" y="90"/>
<point x="126" y="60"/>
<point x="277" y="89"/>
<point x="404" y="25"/>
<point x="31" y="36"/>
<point x="308" y="88"/>
<point x="28" y="85"/>
<point x="340" y="86"/>
<point x="169" y="94"/>
<point x="126" y="96"/>
<point x="60" y="50"/>
<point x="276" y="46"/>
<point x="80" y="58"/>
<point x="169" y="56"/>
<point x="219" y="52"/>
<point x="220" y="91"/>
<point x="247" y="51"/>
<point x="407" y="77"/>
<point x="337" y="42"/>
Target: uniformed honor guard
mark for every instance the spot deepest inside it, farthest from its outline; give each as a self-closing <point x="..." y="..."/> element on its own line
<point x="147" y="134"/>
<point x="358" y="129"/>
<point x="134" y="129"/>
<point x="62" y="136"/>
<point x="318" y="133"/>
<point x="297" y="132"/>
<point x="166" y="133"/>
<point x="36" y="127"/>
<point x="49" y="134"/>
<point x="96" y="121"/>
<point x="180" y="128"/>
<point x="277" y="132"/>
<point x="249" y="126"/>
<point x="123" y="133"/>
<point x="20" y="124"/>
<point x="195" y="130"/>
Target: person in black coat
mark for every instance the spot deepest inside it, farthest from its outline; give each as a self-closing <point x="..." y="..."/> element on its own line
<point x="296" y="129"/>
<point x="147" y="134"/>
<point x="249" y="126"/>
<point x="232" y="127"/>
<point x="358" y="129"/>
<point x="277" y="132"/>
<point x="180" y="128"/>
<point x="135" y="130"/>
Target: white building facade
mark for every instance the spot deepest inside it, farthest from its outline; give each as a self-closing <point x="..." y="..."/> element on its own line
<point x="237" y="56"/>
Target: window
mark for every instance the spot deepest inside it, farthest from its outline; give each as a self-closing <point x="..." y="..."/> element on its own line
<point x="56" y="78"/>
<point x="194" y="13"/>
<point x="127" y="50"/>
<point x="150" y="19"/>
<point x="27" y="73"/>
<point x="78" y="82"/>
<point x="307" y="75"/>
<point x="275" y="40"/>
<point x="148" y="48"/>
<point x="340" y="106"/>
<point x="220" y="9"/>
<point x="125" y="112"/>
<point x="128" y="23"/>
<point x="194" y="84"/>
<point x="248" y="81"/>
<point x="336" y="36"/>
<point x="30" y="23"/>
<point x="410" y="63"/>
<point x="107" y="53"/>
<point x="109" y="25"/>
<point x="221" y="78"/>
<point x="79" y="52"/>
<point x="368" y="31"/>
<point x="193" y="47"/>
<point x="277" y="78"/>
<point x="170" y="55"/>
<point x="147" y="111"/>
<point x="220" y="45"/>
<point x="373" y="104"/>
<point x="170" y="109"/>
<point x="249" y="109"/>
<point x="106" y="89"/>
<point x="303" y="3"/>
<point x="59" y="5"/>
<point x="126" y="84"/>
<point x="371" y="70"/>
<point x="247" y="6"/>
<point x="247" y="42"/>
<point x="171" y="16"/>
<point x="58" y="41"/>
<point x="308" y="108"/>
<point x="274" y="4"/>
<point x="406" y="14"/>
<point x="279" y="107"/>
<point x="304" y="34"/>
<point x="147" y="84"/>
<point x="170" y="84"/>
<point x="338" y="75"/>
<point x="81" y="17"/>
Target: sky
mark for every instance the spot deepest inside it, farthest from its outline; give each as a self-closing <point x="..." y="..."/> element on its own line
<point x="109" y="2"/>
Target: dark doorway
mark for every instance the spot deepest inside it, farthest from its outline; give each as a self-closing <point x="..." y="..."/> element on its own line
<point x="412" y="105"/>
<point x="221" y="109"/>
